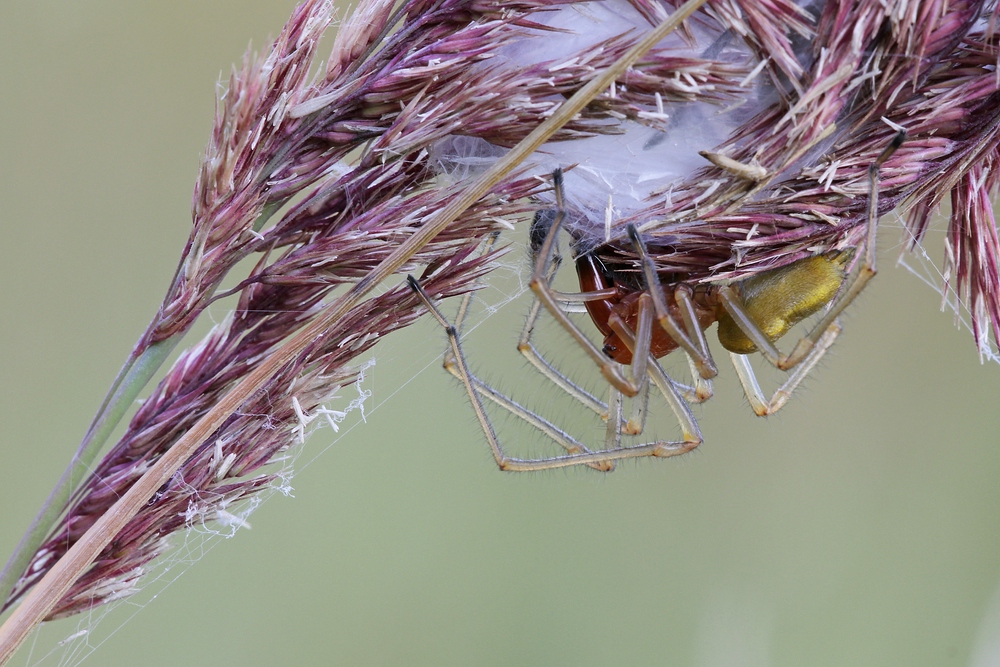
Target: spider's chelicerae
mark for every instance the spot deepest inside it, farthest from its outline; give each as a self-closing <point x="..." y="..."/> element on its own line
<point x="644" y="318"/>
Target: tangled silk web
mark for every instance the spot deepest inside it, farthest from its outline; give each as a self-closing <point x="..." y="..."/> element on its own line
<point x="919" y="262"/>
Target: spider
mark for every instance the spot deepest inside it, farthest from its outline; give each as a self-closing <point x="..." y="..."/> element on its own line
<point x="646" y="322"/>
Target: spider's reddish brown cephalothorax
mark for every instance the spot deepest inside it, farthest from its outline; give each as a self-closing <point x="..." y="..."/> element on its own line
<point x="645" y="320"/>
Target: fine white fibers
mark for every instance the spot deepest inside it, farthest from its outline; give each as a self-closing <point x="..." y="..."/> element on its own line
<point x="638" y="161"/>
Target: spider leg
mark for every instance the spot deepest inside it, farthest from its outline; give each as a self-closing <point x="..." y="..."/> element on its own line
<point x="544" y="247"/>
<point x="758" y="402"/>
<point x="702" y="389"/>
<point x="524" y="342"/>
<point x="865" y="272"/>
<point x="635" y="423"/>
<point x="578" y="454"/>
<point x="640" y="408"/>
<point x="640" y="348"/>
<point x="671" y="391"/>
<point x="633" y="426"/>
<point x="557" y="435"/>
<point x="696" y="349"/>
<point x="850" y="290"/>
<point x="527" y="348"/>
<point x="475" y="388"/>
<point x="548" y="298"/>
<point x="637" y="420"/>
<point x="463" y="307"/>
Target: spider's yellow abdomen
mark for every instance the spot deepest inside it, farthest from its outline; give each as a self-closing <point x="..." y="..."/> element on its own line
<point x="779" y="299"/>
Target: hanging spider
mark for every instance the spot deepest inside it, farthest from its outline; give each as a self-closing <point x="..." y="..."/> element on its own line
<point x="645" y="320"/>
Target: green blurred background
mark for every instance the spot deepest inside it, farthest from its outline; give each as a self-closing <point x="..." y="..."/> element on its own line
<point x="861" y="526"/>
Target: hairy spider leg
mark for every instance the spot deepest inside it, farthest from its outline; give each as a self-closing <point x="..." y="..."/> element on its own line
<point x="671" y="392"/>
<point x="849" y="291"/>
<point x="548" y="297"/>
<point x="701" y="390"/>
<point x="809" y="349"/>
<point x="553" y="432"/>
<point x="637" y="420"/>
<point x="528" y="349"/>
<point x="577" y="453"/>
<point x="697" y="349"/>
<point x="601" y="299"/>
<point x="763" y="406"/>
<point x="633" y="426"/>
